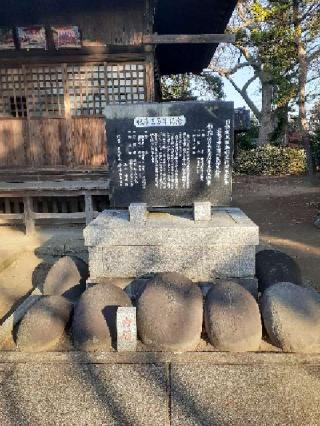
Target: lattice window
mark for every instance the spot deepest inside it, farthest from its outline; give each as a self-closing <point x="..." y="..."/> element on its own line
<point x="45" y="91"/>
<point x="86" y="85"/>
<point x="126" y="83"/>
<point x="40" y="91"/>
<point x="12" y="93"/>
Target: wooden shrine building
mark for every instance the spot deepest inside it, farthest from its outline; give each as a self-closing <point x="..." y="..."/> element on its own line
<point x="53" y="148"/>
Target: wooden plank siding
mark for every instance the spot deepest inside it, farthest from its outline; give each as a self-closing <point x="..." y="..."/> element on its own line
<point x="13" y="138"/>
<point x="46" y="142"/>
<point x="88" y="145"/>
<point x="51" y="115"/>
<point x="51" y="102"/>
<point x="42" y="142"/>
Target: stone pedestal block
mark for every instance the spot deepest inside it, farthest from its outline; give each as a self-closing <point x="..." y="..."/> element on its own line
<point x="171" y="240"/>
<point x="202" y="211"/>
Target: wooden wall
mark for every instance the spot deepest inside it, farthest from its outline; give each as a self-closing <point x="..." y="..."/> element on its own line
<point x="66" y="140"/>
<point x="41" y="143"/>
<point x="116" y="26"/>
<point x="111" y="22"/>
<point x="72" y="135"/>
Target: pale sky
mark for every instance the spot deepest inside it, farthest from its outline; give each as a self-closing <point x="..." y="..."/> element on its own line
<point x="241" y="77"/>
<point x="232" y="95"/>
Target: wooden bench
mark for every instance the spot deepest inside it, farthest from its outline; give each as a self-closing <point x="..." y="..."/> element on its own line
<point x="29" y="190"/>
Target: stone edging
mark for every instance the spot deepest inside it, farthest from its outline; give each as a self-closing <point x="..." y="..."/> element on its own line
<point x="215" y="358"/>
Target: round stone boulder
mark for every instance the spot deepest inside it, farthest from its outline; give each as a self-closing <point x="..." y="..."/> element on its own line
<point x="273" y="266"/>
<point x="170" y="313"/>
<point x="43" y="326"/>
<point x="232" y="318"/>
<point x="291" y="315"/>
<point x="95" y="317"/>
<point x="67" y="278"/>
<point x="117" y="282"/>
<point x="136" y="288"/>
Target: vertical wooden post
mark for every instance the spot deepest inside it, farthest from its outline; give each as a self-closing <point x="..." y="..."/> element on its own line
<point x="88" y="207"/>
<point x="7" y="207"/>
<point x="150" y="6"/>
<point x="150" y="77"/>
<point x="28" y="143"/>
<point x="28" y="215"/>
<point x="149" y="16"/>
<point x="68" y="149"/>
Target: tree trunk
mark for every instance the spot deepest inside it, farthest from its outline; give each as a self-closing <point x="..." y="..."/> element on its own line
<point x="267" y="124"/>
<point x="285" y="135"/>
<point x="303" y="75"/>
<point x="282" y="125"/>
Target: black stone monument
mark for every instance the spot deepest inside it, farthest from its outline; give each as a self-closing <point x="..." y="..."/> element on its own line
<point x="242" y="121"/>
<point x="170" y="154"/>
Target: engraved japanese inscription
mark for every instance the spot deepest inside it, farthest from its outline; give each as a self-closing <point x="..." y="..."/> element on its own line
<point x="170" y="154"/>
<point x="126" y="329"/>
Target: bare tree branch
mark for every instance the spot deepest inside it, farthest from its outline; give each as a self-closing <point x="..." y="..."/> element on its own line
<point x="243" y="92"/>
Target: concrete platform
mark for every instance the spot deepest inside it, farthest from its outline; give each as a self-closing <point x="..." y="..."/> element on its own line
<point x="171" y="240"/>
<point x="159" y="389"/>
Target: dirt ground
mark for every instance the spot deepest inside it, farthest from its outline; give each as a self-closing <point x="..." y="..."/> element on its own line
<point x="24" y="260"/>
<point x="285" y="209"/>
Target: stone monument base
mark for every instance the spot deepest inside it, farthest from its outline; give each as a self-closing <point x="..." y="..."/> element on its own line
<point x="204" y="244"/>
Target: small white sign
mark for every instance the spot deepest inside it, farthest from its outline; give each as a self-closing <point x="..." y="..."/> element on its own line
<point x="126" y="329"/>
<point x="177" y="121"/>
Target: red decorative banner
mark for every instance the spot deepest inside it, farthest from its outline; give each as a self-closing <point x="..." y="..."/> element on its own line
<point x="66" y="37"/>
<point x="6" y="39"/>
<point x="32" y="37"/>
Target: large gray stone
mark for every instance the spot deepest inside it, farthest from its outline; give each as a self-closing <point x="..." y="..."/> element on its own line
<point x="221" y="247"/>
<point x="170" y="313"/>
<point x="133" y="287"/>
<point x="67" y="277"/>
<point x="273" y="266"/>
<point x="291" y="315"/>
<point x="232" y="318"/>
<point x="171" y="227"/>
<point x="94" y="321"/>
<point x="117" y="282"/>
<point x="208" y="263"/>
<point x="43" y="325"/>
<point x="250" y="284"/>
<point x="136" y="288"/>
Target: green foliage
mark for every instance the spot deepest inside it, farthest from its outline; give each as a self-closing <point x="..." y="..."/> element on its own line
<point x="208" y="86"/>
<point x="315" y="147"/>
<point x="315" y="135"/>
<point x="270" y="160"/>
<point x="269" y="36"/>
<point x="176" y="87"/>
<point x="183" y="87"/>
<point x="247" y="140"/>
<point x="315" y="118"/>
